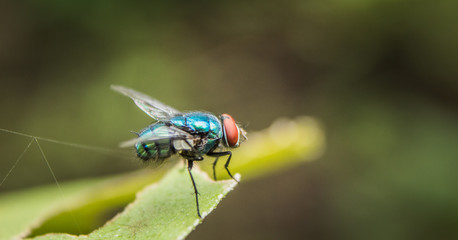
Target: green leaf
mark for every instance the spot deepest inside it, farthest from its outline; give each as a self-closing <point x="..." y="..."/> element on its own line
<point x="22" y="211"/>
<point x="165" y="208"/>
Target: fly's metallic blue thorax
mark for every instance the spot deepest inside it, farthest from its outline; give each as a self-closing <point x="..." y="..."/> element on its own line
<point x="205" y="125"/>
<point x="199" y="122"/>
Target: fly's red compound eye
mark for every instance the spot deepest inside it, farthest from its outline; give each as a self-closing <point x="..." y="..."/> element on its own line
<point x="231" y="131"/>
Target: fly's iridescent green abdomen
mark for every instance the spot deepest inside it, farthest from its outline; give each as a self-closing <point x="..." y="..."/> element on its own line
<point x="159" y="149"/>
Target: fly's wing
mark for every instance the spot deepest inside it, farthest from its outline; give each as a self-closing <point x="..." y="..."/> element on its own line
<point x="181" y="140"/>
<point x="149" y="105"/>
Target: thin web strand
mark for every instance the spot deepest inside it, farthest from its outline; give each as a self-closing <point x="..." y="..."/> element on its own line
<point x="17" y="161"/>
<point x="102" y="150"/>
<point x="55" y="180"/>
<point x="49" y="166"/>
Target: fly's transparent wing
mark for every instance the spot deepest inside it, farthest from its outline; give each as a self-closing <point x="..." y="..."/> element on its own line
<point x="181" y="140"/>
<point x="149" y="105"/>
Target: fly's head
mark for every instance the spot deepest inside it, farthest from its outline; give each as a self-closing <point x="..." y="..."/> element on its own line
<point x="233" y="135"/>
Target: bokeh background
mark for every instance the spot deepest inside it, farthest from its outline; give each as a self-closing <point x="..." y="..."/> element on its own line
<point x="380" y="75"/>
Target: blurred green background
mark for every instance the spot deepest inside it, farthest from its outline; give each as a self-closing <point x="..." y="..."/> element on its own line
<point x="380" y="75"/>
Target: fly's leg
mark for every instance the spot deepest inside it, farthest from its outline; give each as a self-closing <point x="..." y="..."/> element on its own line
<point x="220" y="154"/>
<point x="194" y="150"/>
<point x="227" y="165"/>
<point x="214" y="165"/>
<point x="190" y="163"/>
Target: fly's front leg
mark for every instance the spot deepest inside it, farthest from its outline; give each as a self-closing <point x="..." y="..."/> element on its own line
<point x="190" y="163"/>
<point x="226" y="166"/>
<point x="219" y="154"/>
